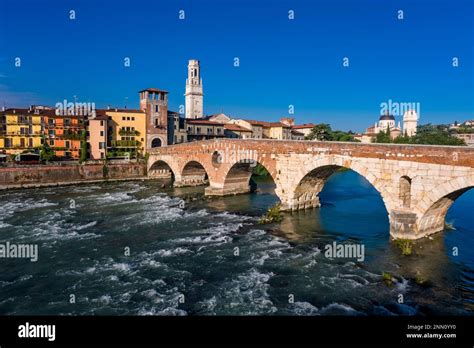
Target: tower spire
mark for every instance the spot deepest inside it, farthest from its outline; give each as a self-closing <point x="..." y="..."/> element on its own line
<point x="194" y="94"/>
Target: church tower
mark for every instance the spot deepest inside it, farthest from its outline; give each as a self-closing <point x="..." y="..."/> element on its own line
<point x="194" y="95"/>
<point x="410" y="120"/>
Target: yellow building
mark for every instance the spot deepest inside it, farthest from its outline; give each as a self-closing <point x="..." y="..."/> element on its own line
<point x="21" y="129"/>
<point x="126" y="132"/>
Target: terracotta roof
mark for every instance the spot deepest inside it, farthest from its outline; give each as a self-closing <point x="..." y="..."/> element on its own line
<point x="295" y="132"/>
<point x="203" y="121"/>
<point x="123" y="110"/>
<point x="153" y="90"/>
<point x="32" y="112"/>
<point x="236" y="128"/>
<point x="267" y="124"/>
<point x="303" y="126"/>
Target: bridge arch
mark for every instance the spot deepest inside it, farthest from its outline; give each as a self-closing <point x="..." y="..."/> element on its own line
<point x="192" y="173"/>
<point x="237" y="175"/>
<point x="311" y="179"/>
<point x="162" y="169"/>
<point x="439" y="200"/>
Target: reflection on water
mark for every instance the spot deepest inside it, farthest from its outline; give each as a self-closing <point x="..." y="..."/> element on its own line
<point x="190" y="251"/>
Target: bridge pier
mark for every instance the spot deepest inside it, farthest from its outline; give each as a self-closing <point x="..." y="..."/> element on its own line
<point x="160" y="173"/>
<point x="306" y="201"/>
<point x="228" y="189"/>
<point x="190" y="180"/>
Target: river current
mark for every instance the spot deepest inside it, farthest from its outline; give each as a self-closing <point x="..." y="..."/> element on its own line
<point x="135" y="248"/>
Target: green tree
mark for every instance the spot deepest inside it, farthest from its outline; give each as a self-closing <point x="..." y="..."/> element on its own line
<point x="46" y="152"/>
<point x="383" y="137"/>
<point x="83" y="146"/>
<point x="322" y="132"/>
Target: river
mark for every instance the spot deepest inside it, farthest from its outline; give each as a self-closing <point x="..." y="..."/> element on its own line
<point x="134" y="248"/>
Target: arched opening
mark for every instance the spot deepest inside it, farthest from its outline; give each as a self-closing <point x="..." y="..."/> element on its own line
<point x="193" y="174"/>
<point x="156" y="142"/>
<point x="349" y="204"/>
<point x="248" y="176"/>
<point x="434" y="219"/>
<point x="405" y="191"/>
<point x="161" y="170"/>
<point x="458" y="238"/>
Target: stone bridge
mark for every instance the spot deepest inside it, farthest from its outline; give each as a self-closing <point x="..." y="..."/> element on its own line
<point x="418" y="183"/>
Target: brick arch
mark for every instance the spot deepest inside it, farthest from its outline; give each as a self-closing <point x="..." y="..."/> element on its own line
<point x="236" y="174"/>
<point x="169" y="162"/>
<point x="206" y="166"/>
<point x="437" y="202"/>
<point x="328" y="166"/>
<point x="269" y="166"/>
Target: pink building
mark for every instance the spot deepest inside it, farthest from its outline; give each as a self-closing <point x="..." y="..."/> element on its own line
<point x="98" y="137"/>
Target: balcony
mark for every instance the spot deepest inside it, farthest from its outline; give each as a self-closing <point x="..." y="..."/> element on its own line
<point x="130" y="133"/>
<point x="69" y="136"/>
<point x="125" y="143"/>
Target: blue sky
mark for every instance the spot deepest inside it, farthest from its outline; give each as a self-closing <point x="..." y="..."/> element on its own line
<point x="282" y="62"/>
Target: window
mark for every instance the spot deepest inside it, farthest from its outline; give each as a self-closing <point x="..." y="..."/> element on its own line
<point x="128" y="118"/>
<point x="198" y="130"/>
<point x="102" y="123"/>
<point x="67" y="122"/>
<point x="68" y="144"/>
<point x="133" y="118"/>
<point x="51" y="142"/>
<point x="157" y="108"/>
<point x="101" y="133"/>
<point x="405" y="191"/>
<point x="101" y="145"/>
<point x="123" y="118"/>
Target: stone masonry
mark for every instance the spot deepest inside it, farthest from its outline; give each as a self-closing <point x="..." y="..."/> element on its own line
<point x="418" y="183"/>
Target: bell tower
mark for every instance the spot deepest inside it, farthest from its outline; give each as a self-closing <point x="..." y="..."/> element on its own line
<point x="194" y="95"/>
<point x="410" y="121"/>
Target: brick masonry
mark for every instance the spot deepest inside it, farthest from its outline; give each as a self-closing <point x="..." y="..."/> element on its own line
<point x="437" y="174"/>
<point x="41" y="175"/>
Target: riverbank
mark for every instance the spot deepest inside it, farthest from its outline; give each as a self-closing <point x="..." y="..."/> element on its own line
<point x="34" y="176"/>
